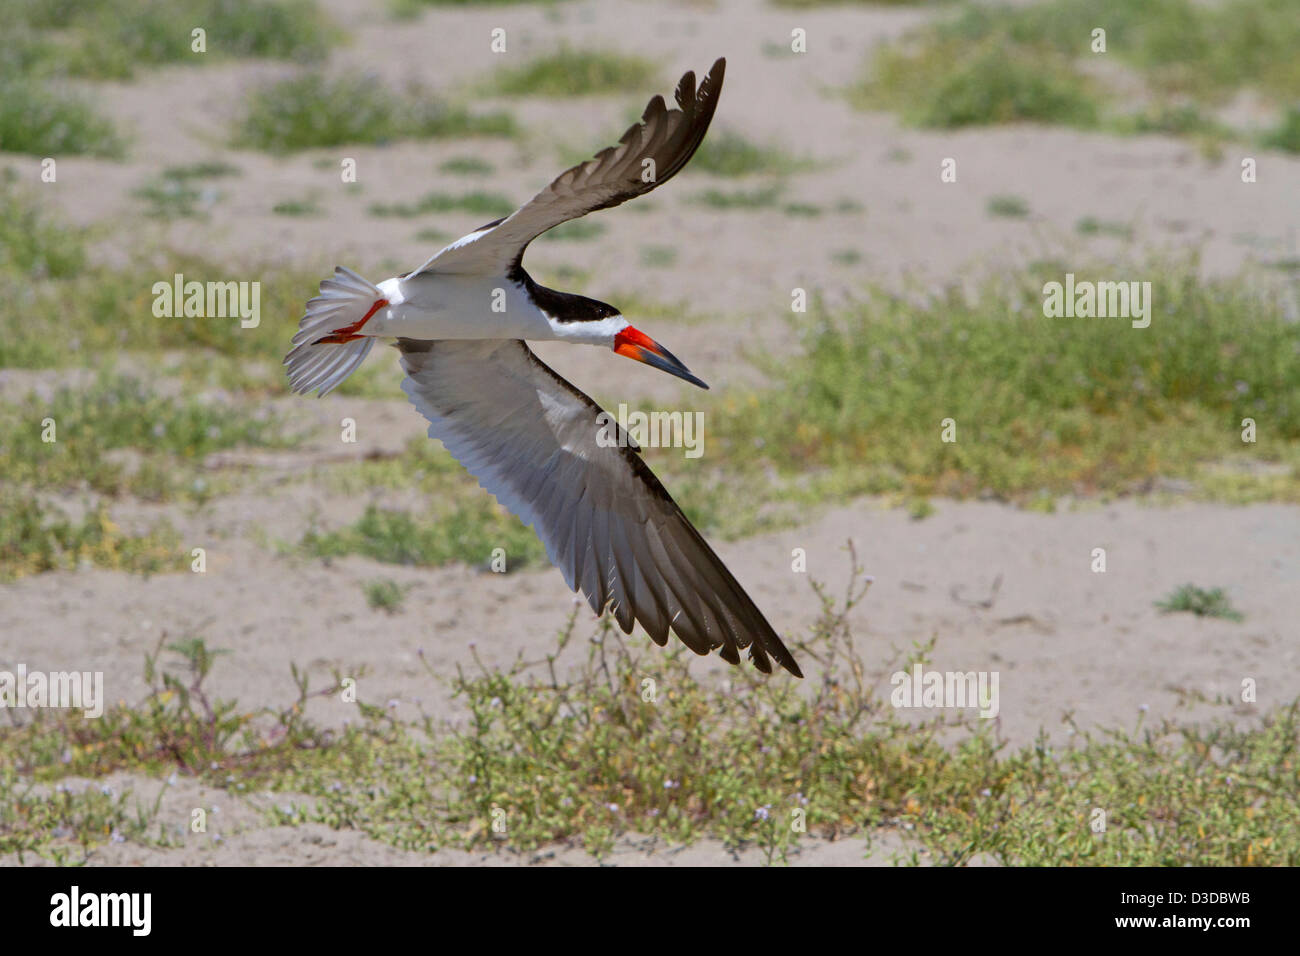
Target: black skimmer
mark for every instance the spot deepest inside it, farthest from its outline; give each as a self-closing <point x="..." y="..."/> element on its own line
<point x="530" y="437"/>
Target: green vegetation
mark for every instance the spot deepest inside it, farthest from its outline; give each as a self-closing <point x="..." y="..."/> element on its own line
<point x="35" y="537"/>
<point x="1202" y="603"/>
<point x="110" y="39"/>
<point x="1070" y="406"/>
<point x="43" y="119"/>
<point x="762" y="198"/>
<point x="168" y="198"/>
<point x="491" y="205"/>
<point x="104" y="311"/>
<point x="467" y="166"/>
<point x="63" y="824"/>
<point x="407" y="9"/>
<point x="575" y="73"/>
<point x="32" y="246"/>
<point x="728" y="153"/>
<point x="298" y="207"/>
<point x="383" y="594"/>
<point x="948" y="82"/>
<point x="1008" y="207"/>
<point x="316" y="110"/>
<point x="804" y="4"/>
<point x="1006" y="63"/>
<point x="587" y="758"/>
<point x="1092" y="226"/>
<point x="467" y="532"/>
<point x="577" y="230"/>
<point x="1286" y="135"/>
<point x="65" y="442"/>
<point x="179" y="191"/>
<point x="658" y="257"/>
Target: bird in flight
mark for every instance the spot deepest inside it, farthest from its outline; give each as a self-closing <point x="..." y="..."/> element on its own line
<point x="531" y="438"/>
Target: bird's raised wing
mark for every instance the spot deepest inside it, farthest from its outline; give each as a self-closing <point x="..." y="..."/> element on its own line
<point x="607" y="523"/>
<point x="650" y="153"/>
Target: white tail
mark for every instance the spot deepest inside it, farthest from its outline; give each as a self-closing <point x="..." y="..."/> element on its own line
<point x="326" y="348"/>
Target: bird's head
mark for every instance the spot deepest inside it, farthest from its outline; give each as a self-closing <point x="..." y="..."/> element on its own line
<point x="634" y="344"/>
<point x="578" y="319"/>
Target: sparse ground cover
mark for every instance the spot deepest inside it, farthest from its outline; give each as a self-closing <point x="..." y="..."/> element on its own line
<point x="588" y="757"/>
<point x="1042" y="62"/>
<point x="149" y="412"/>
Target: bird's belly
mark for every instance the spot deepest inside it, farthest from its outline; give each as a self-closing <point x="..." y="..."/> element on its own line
<point x="453" y="310"/>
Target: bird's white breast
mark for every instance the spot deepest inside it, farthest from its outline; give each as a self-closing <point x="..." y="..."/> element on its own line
<point x="434" y="306"/>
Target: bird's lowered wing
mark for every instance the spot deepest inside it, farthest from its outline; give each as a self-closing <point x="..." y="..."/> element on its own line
<point x="650" y="153"/>
<point x="607" y="523"/>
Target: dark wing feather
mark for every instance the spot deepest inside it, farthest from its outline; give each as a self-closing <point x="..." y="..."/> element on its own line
<point x="606" y="521"/>
<point x="649" y="154"/>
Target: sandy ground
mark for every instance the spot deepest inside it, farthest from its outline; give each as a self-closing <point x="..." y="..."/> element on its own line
<point x="1064" y="640"/>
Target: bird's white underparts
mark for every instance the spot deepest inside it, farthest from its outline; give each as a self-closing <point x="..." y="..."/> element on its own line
<point x="531" y="438"/>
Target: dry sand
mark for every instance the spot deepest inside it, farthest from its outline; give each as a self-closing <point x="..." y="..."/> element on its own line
<point x="1064" y="639"/>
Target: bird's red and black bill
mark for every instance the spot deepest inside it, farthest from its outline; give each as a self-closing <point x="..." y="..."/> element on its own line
<point x="635" y="344"/>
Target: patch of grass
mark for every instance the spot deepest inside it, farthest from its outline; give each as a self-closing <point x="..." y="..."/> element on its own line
<point x="658" y="257"/>
<point x="846" y="257"/>
<point x="384" y="594"/>
<point x="111" y="39"/>
<point x="918" y="509"/>
<point x="468" y="533"/>
<point x="948" y="83"/>
<point x="316" y="110"/>
<point x="32" y="246"/>
<point x="432" y="235"/>
<point x="585" y="758"/>
<point x="1066" y="406"/>
<point x="728" y="153"/>
<point x="64" y="823"/>
<point x="104" y="310"/>
<point x="1201" y="602"/>
<point x="206" y="169"/>
<point x="1004" y="63"/>
<point x="802" y="210"/>
<point x="576" y="230"/>
<point x="41" y="118"/>
<point x="168" y="198"/>
<point x="35" y="538"/>
<point x="1092" y="226"/>
<point x="1184" y="119"/>
<point x="183" y="191"/>
<point x="488" y="205"/>
<point x="117" y="413"/>
<point x="407" y="9"/>
<point x="298" y="207"/>
<point x="177" y="727"/>
<point x="1008" y="207"/>
<point x="763" y="198"/>
<point x="1286" y="135"/>
<point x="808" y="4"/>
<point x="570" y="750"/>
<point x="467" y="166"/>
<point x="570" y="72"/>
